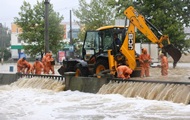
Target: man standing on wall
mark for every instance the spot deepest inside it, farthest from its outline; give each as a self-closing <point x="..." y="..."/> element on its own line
<point x="164" y="65"/>
<point x="38" y="67"/>
<point x="145" y="61"/>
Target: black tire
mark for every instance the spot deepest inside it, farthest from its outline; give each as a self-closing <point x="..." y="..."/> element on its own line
<point x="100" y="66"/>
<point x="81" y="71"/>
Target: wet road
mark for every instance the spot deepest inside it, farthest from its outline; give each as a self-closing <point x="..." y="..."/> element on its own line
<point x="180" y="73"/>
<point x="6" y="68"/>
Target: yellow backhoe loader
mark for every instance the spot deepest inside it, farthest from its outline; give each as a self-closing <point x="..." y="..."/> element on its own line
<point x="100" y="54"/>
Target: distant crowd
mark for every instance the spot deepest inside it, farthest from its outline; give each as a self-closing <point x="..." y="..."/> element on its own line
<point x="45" y="66"/>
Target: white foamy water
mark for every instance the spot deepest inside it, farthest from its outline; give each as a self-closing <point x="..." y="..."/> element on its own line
<point x="41" y="104"/>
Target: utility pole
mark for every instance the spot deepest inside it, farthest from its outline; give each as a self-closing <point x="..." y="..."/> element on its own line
<point x="46" y="33"/>
<point x="71" y="39"/>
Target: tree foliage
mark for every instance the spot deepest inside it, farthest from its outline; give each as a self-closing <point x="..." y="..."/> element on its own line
<point x="93" y="15"/>
<point x="169" y="16"/>
<point x="5" y="38"/>
<point x="31" y="20"/>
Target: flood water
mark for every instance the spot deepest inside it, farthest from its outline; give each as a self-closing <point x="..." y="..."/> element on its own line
<point x="36" y="101"/>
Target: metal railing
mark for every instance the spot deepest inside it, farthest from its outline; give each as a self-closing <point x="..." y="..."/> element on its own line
<point x="147" y="81"/>
<point x="55" y="77"/>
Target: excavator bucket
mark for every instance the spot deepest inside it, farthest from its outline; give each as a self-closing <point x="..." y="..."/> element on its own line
<point x="173" y="52"/>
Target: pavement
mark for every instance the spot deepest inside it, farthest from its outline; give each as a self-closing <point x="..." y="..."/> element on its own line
<point x="180" y="73"/>
<point x="12" y="68"/>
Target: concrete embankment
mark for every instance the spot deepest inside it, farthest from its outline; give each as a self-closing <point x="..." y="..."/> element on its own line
<point x="83" y="84"/>
<point x="8" y="78"/>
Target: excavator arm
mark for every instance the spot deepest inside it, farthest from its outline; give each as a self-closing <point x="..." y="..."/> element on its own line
<point x="141" y="24"/>
<point x="138" y="21"/>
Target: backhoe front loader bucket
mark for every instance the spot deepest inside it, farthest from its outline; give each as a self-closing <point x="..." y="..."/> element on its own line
<point x="173" y="52"/>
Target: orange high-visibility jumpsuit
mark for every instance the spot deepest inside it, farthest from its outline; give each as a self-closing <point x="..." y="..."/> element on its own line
<point x="21" y="64"/>
<point x="29" y="68"/>
<point x="164" y="65"/>
<point x="124" y="72"/>
<point x="44" y="62"/>
<point x="38" y="67"/>
<point x="145" y="61"/>
<point x="49" y="66"/>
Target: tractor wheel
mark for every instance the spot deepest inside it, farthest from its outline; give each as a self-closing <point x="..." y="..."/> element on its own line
<point x="101" y="66"/>
<point x="81" y="71"/>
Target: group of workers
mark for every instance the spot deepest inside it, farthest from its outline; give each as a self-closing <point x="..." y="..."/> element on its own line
<point x="124" y="71"/>
<point x="145" y="61"/>
<point x="38" y="67"/>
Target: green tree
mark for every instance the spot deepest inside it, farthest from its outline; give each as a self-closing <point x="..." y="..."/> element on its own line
<point x="93" y="15"/>
<point x="32" y="22"/>
<point x="5" y="38"/>
<point x="169" y="16"/>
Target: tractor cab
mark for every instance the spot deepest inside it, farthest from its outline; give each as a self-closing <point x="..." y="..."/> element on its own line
<point x="98" y="42"/>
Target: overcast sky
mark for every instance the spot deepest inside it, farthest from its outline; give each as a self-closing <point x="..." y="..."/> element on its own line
<point x="10" y="8"/>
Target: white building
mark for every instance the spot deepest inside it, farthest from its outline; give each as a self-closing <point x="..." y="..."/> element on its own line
<point x="75" y="30"/>
<point x="16" y="44"/>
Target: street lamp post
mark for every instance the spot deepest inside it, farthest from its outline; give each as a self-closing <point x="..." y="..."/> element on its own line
<point x="46" y="33"/>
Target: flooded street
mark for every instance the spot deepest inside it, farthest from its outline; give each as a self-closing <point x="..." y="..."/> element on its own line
<point x="114" y="62"/>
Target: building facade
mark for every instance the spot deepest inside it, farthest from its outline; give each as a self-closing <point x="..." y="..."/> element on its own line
<point x="16" y="44"/>
<point x="17" y="49"/>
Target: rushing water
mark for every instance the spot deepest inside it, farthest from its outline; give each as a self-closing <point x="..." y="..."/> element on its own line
<point x="177" y="93"/>
<point x="37" y="102"/>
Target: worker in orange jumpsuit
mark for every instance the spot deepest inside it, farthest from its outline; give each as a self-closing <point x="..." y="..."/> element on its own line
<point x="29" y="68"/>
<point x="123" y="71"/>
<point x="44" y="62"/>
<point x="50" y="64"/>
<point x="164" y="64"/>
<point x="145" y="61"/>
<point x="38" y="67"/>
<point x="21" y="64"/>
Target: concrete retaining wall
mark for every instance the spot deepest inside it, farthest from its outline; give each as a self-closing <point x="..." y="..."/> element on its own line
<point x="83" y="84"/>
<point x="7" y="78"/>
